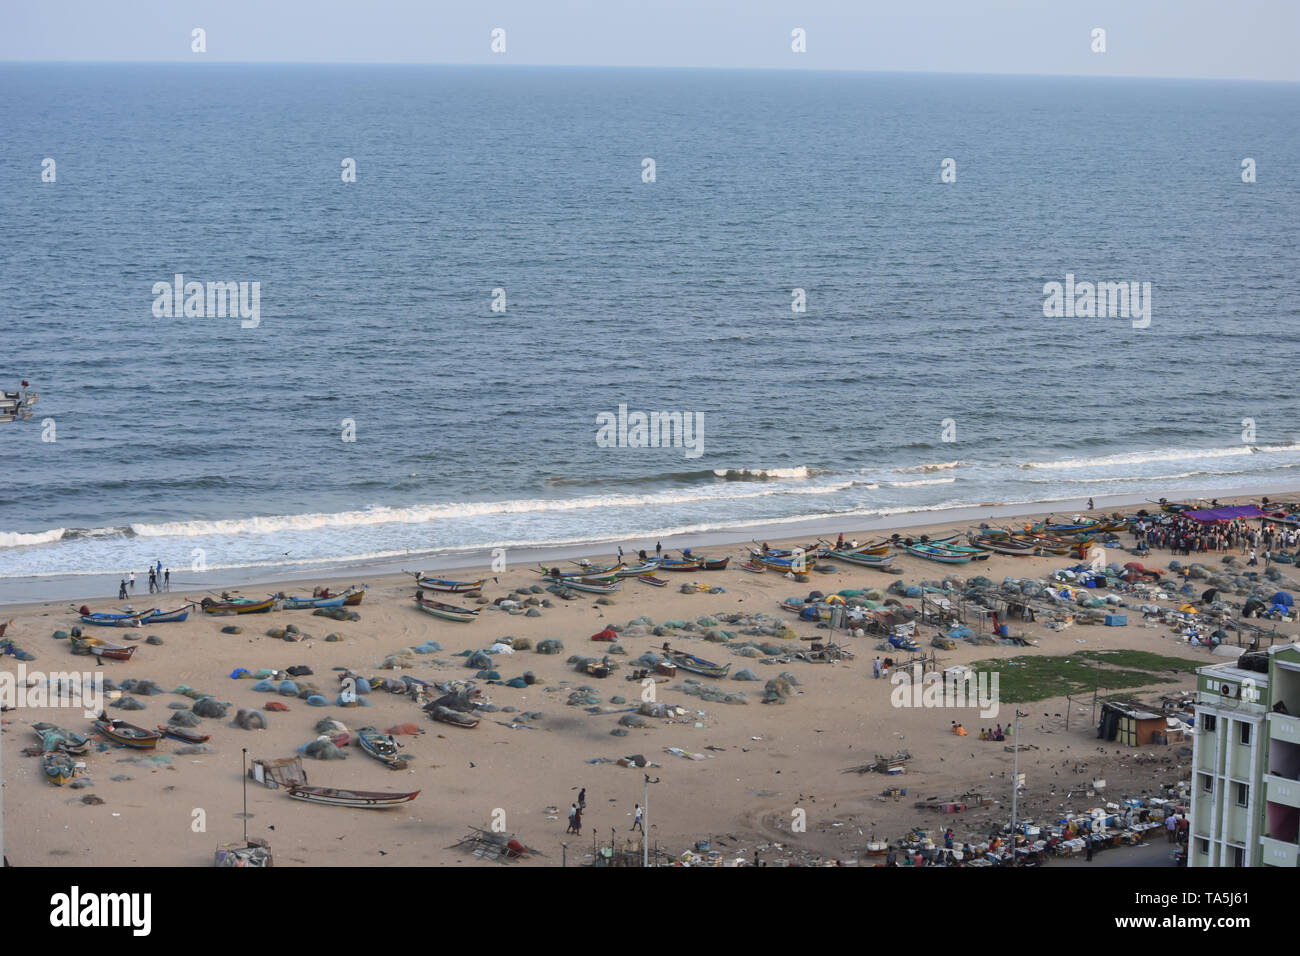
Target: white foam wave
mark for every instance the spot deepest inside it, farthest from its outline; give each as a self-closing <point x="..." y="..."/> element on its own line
<point x="1167" y="454"/>
<point x="800" y="472"/>
<point x="933" y="466"/>
<point x="17" y="539"/>
<point x="921" y="481"/>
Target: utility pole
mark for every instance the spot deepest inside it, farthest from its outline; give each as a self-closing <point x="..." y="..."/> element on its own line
<point x="645" y="821"/>
<point x="1015" y="781"/>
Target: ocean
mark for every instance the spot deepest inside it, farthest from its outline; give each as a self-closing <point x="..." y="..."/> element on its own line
<point x="923" y="373"/>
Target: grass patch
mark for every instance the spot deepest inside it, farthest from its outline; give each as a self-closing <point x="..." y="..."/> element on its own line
<point x="1024" y="679"/>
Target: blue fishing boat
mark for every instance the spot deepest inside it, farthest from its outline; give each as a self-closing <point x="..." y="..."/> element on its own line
<point x="168" y="617"/>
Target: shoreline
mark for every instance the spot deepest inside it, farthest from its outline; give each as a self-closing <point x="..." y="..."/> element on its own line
<point x="17" y="593"/>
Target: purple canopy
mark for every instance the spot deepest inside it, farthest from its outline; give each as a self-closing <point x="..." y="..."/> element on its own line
<point x="1224" y="514"/>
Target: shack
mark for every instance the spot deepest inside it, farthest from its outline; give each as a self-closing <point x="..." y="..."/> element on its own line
<point x="1131" y="726"/>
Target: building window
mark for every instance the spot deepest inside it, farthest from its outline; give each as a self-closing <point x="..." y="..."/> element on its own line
<point x="1202" y="845"/>
<point x="1245" y="734"/>
<point x="1207" y="783"/>
<point x="1207" y="723"/>
<point x="1243" y="795"/>
<point x="1238" y="856"/>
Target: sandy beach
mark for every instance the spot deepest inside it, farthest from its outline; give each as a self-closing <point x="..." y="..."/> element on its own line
<point x="760" y="762"/>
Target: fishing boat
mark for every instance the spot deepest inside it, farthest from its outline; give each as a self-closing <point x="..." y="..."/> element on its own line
<point x="590" y="585"/>
<point x="305" y="603"/>
<point x="651" y="580"/>
<point x="933" y="553"/>
<point x="183" y="734"/>
<point x="950" y="546"/>
<point x="168" y="617"/>
<point x="128" y="735"/>
<point x="449" y="715"/>
<point x="109" y="619"/>
<point x="713" y="564"/>
<point x="636" y="570"/>
<point x="589" y="570"/>
<point x="17" y="406"/>
<point x="54" y="737"/>
<point x="685" y="564"/>
<point x="59" y="767"/>
<point x="363" y="799"/>
<point x="228" y="605"/>
<point x="797" y="565"/>
<point x="100" y="648"/>
<point x="1003" y="545"/>
<point x="753" y="567"/>
<point x="697" y="665"/>
<point x="353" y="595"/>
<point x="880" y="546"/>
<point x="381" y="746"/>
<point x="448" y="612"/>
<point x="862" y="560"/>
<point x="559" y="574"/>
<point x="449" y="587"/>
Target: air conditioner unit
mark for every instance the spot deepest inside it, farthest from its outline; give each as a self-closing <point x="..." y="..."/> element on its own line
<point x="1230" y="690"/>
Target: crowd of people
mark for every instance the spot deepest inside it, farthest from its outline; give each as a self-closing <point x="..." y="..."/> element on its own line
<point x="1186" y="536"/>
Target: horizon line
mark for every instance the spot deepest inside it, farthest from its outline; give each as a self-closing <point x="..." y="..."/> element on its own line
<point x="641" y="66"/>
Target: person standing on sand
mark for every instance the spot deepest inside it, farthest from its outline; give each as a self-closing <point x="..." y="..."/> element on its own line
<point x="577" y="822"/>
<point x="636" y="821"/>
<point x="121" y="590"/>
<point x="659" y="549"/>
<point x="582" y="799"/>
<point x="167" y="579"/>
<point x="875" y="668"/>
<point x="573" y="813"/>
<point x="153" y="581"/>
<point x="132" y="580"/>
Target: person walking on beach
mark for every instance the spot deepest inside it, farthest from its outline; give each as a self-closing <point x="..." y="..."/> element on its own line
<point x="577" y="821"/>
<point x="167" y="579"/>
<point x="875" y="668"/>
<point x="1253" y="560"/>
<point x="121" y="590"/>
<point x="1090" y="504"/>
<point x="153" y="580"/>
<point x="573" y="814"/>
<point x="582" y="799"/>
<point x="636" y="821"/>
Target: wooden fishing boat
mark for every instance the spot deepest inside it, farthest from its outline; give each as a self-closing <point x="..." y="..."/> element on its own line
<point x="932" y="553"/>
<point x="590" y="585"/>
<point x="651" y="580"/>
<point x="862" y="560"/>
<point x="753" y="567"/>
<point x="880" y="546"/>
<point x="183" y="734"/>
<point x="306" y="603"/>
<point x="109" y="619"/>
<point x="59" y="767"/>
<point x="168" y="617"/>
<point x="697" y="665"/>
<point x="99" y="648"/>
<point x="950" y="546"/>
<point x="713" y="564"/>
<point x="685" y="564"/>
<point x="784" y="565"/>
<point x="449" y="587"/>
<point x="54" y="737"/>
<point x="636" y="570"/>
<point x="381" y="746"/>
<point x="559" y="574"/>
<point x="448" y="612"/>
<point x="362" y="799"/>
<point x="589" y="570"/>
<point x="237" y="606"/>
<point x="1004" y="545"/>
<point x="128" y="735"/>
<point x="353" y="595"/>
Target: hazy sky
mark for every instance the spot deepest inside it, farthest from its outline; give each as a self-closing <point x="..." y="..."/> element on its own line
<point x="1242" y="39"/>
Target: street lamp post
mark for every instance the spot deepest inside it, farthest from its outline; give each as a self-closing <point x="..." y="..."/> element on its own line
<point x="645" y="820"/>
<point x="1015" y="781"/>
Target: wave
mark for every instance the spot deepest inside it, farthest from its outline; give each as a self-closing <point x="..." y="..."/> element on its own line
<point x="935" y="466"/>
<point x="752" y="474"/>
<point x="921" y="481"/>
<point x="17" y="539"/>
<point x="1169" y="454"/>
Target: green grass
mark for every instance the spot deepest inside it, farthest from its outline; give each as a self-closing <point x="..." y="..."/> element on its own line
<point x="1024" y="679"/>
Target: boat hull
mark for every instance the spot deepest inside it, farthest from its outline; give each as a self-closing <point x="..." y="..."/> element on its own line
<point x="447" y="612"/>
<point x="360" y="799"/>
<point x="128" y="735"/>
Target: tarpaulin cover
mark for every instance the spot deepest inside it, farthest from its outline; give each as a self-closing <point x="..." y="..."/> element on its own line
<point x="1225" y="514"/>
<point x="1283" y="598"/>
